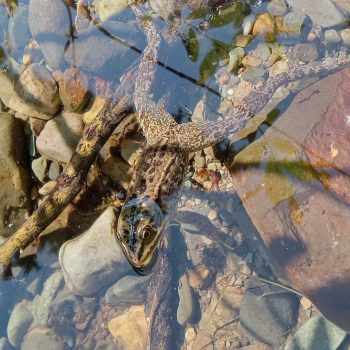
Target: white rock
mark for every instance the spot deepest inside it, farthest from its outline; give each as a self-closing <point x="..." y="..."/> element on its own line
<point x="248" y="23"/>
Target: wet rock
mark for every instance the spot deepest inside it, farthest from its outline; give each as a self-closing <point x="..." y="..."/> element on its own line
<point x="39" y="167"/>
<point x="41" y="303"/>
<point x="163" y="8"/>
<point x="129" y="148"/>
<point x="332" y="37"/>
<point x="253" y="75"/>
<point x="94" y="259"/>
<point x="41" y="338"/>
<point x="49" y="27"/>
<point x="6" y="88"/>
<point x="105" y="10"/>
<point x="128" y="290"/>
<point x="117" y="170"/>
<point x="4" y="344"/>
<point x="60" y="137"/>
<point x="54" y="170"/>
<point x="243" y="40"/>
<point x="265" y="27"/>
<point x="18" y="29"/>
<point x="325" y="14"/>
<point x="345" y="35"/>
<point x="19" y="322"/>
<point x="131" y="327"/>
<point x="186" y="309"/>
<point x="73" y="89"/>
<point x="317" y="333"/>
<point x="48" y="188"/>
<point x="277" y="7"/>
<point x="14" y="177"/>
<point x="278" y="68"/>
<point x="306" y="52"/>
<point x="252" y="61"/>
<point x="200" y="278"/>
<point x="236" y="56"/>
<point x="263" y="51"/>
<point x="293" y="22"/>
<point x="36" y="93"/>
<point x="302" y="223"/>
<point x="268" y="313"/>
<point x="248" y="24"/>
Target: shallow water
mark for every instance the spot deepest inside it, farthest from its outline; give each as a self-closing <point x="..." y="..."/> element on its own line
<point x="270" y="202"/>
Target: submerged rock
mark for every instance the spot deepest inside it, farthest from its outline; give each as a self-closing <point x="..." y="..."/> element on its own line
<point x="94" y="259"/>
<point x="186" y="309"/>
<point x="18" y="30"/>
<point x="41" y="338"/>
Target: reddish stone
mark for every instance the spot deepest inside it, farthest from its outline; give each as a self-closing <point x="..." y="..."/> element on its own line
<point x="305" y="227"/>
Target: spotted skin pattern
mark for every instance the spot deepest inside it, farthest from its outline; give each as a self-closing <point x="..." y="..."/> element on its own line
<point x="161" y="168"/>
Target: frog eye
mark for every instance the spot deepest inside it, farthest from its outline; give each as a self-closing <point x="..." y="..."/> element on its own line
<point x="146" y="233"/>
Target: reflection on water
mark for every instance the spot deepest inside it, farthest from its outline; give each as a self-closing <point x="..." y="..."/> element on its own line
<point x="270" y="202"/>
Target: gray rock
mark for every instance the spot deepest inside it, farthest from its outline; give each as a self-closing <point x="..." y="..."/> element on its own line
<point x="268" y="313"/>
<point x="94" y="260"/>
<point x="4" y="344"/>
<point x="105" y="10"/>
<point x="14" y="200"/>
<point x="306" y="52"/>
<point x="41" y="303"/>
<point x="54" y="171"/>
<point x="18" y="29"/>
<point x="263" y="51"/>
<point x="253" y="75"/>
<point x="236" y="55"/>
<point x="41" y="338"/>
<point x="60" y="137"/>
<point x="39" y="167"/>
<point x="49" y="25"/>
<point x="293" y="22"/>
<point x="345" y="35"/>
<point x="185" y="310"/>
<point x="128" y="290"/>
<point x="19" y="322"/>
<point x="317" y="333"/>
<point x="36" y="93"/>
<point x="325" y="14"/>
<point x="331" y="36"/>
<point x="277" y="7"/>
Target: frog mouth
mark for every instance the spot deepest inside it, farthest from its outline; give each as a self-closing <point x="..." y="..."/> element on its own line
<point x="146" y="268"/>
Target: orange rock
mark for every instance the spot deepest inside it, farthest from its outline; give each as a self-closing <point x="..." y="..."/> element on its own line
<point x="265" y="27"/>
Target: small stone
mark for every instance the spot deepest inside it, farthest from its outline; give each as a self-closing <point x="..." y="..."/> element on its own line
<point x="200" y="278"/>
<point x="39" y="167"/>
<point x="306" y="52"/>
<point x="19" y="322"/>
<point x="36" y="125"/>
<point x="185" y="310"/>
<point x="54" y="170"/>
<point x="48" y="188"/>
<point x="253" y="75"/>
<point x="105" y="10"/>
<point x="248" y="23"/>
<point x="279" y="25"/>
<point x="36" y="93"/>
<point x="252" y="61"/>
<point x="243" y="40"/>
<point x="305" y="303"/>
<point x="277" y="7"/>
<point x="278" y="68"/>
<point x="236" y="56"/>
<point x="265" y="27"/>
<point x="129" y="149"/>
<point x="293" y="22"/>
<point x="117" y="170"/>
<point x="331" y="36"/>
<point x="41" y="338"/>
<point x="7" y="88"/>
<point x="199" y="161"/>
<point x="213" y="215"/>
<point x="263" y="51"/>
<point x="131" y="327"/>
<point x="190" y="334"/>
<point x="345" y="35"/>
<point x="272" y="59"/>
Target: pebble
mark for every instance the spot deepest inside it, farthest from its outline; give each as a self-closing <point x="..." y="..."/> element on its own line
<point x="106" y="10"/>
<point x="213" y="214"/>
<point x="41" y="303"/>
<point x="15" y="180"/>
<point x="128" y="290"/>
<point x="54" y="170"/>
<point x="263" y="51"/>
<point x="253" y="75"/>
<point x="117" y="170"/>
<point x="331" y="36"/>
<point x="190" y="334"/>
<point x="60" y="137"/>
<point x="48" y="188"/>
<point x="18" y="29"/>
<point x="129" y="148"/>
<point x="130" y="327"/>
<point x="185" y="310"/>
<point x="19" y="322"/>
<point x="293" y="22"/>
<point x="248" y="24"/>
<point x="306" y="52"/>
<point x="265" y="27"/>
<point x="278" y="68"/>
<point x="36" y="93"/>
<point x="41" y="338"/>
<point x="200" y="278"/>
<point x="7" y="87"/>
<point x="39" y="167"/>
<point x="252" y="61"/>
<point x="268" y="313"/>
<point x="325" y="14"/>
<point x="277" y="7"/>
<point x="235" y="57"/>
<point x="243" y="40"/>
<point x="94" y="259"/>
<point x="305" y="303"/>
<point x="345" y="35"/>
